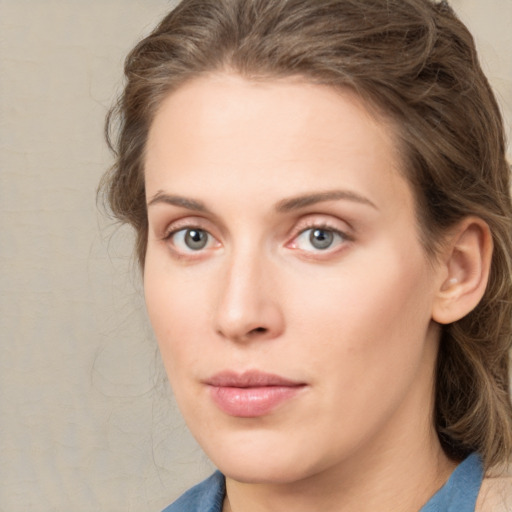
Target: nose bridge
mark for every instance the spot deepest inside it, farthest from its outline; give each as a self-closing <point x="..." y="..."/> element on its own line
<point x="247" y="304"/>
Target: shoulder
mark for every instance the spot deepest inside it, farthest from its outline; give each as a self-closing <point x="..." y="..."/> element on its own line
<point x="208" y="496"/>
<point x="496" y="491"/>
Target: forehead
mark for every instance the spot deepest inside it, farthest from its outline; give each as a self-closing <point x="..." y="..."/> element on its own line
<point x="224" y="130"/>
<point x="217" y="105"/>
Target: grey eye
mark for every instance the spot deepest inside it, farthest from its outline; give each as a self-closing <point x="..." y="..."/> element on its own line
<point x="196" y="239"/>
<point x="321" y="238"/>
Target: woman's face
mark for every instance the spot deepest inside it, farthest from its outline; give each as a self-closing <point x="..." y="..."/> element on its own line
<point x="285" y="280"/>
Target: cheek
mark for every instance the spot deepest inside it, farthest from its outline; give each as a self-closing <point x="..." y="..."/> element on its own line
<point x="366" y="315"/>
<point x="364" y="338"/>
<point x="174" y="304"/>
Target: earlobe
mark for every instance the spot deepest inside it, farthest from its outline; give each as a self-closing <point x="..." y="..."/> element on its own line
<point x="464" y="270"/>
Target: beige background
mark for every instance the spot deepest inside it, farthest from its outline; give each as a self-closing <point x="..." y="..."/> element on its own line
<point x="86" y="423"/>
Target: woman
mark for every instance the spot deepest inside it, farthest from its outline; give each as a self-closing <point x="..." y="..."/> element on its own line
<point x="320" y="196"/>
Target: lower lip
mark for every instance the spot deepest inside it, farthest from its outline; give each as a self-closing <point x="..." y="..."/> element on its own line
<point x="253" y="401"/>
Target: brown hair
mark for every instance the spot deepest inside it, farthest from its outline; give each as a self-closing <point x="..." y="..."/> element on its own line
<point x="417" y="63"/>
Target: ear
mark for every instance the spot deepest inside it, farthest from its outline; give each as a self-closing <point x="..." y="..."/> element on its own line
<point x="463" y="271"/>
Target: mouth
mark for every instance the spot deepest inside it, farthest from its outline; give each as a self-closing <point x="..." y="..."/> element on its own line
<point x="251" y="394"/>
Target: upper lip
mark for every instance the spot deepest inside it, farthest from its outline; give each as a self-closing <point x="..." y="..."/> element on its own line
<point x="250" y="379"/>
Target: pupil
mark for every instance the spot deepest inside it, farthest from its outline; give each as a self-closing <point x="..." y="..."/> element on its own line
<point x="321" y="239"/>
<point x="196" y="239"/>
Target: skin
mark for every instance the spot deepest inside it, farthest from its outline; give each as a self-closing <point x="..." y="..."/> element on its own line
<point x="352" y="322"/>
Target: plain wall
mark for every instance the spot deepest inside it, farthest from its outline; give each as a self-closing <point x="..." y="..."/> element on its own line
<point x="85" y="421"/>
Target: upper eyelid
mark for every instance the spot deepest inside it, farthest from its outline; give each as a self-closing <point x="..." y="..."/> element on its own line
<point x="323" y="228"/>
<point x="182" y="212"/>
<point x="325" y="221"/>
<point x="320" y="225"/>
<point x="186" y="223"/>
<point x="309" y="221"/>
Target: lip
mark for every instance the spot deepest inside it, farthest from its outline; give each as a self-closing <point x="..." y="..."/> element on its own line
<point x="251" y="394"/>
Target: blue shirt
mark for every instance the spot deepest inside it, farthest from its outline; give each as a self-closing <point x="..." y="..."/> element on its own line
<point x="459" y="494"/>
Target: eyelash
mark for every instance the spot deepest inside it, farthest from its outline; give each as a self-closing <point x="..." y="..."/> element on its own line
<point x="342" y="236"/>
<point x="185" y="227"/>
<point x="325" y="227"/>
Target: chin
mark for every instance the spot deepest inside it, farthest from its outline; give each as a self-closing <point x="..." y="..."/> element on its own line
<point x="263" y="459"/>
<point x="263" y="472"/>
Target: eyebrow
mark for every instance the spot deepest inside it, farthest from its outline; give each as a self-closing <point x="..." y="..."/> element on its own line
<point x="183" y="202"/>
<point x="285" y="205"/>
<point x="302" y="201"/>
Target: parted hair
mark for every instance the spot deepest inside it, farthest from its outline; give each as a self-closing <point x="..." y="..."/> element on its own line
<point x="413" y="61"/>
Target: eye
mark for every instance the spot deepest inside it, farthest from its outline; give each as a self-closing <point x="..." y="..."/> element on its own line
<point x="318" y="239"/>
<point x="191" y="239"/>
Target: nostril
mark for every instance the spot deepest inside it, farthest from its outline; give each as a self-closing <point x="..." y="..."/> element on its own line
<point x="258" y="330"/>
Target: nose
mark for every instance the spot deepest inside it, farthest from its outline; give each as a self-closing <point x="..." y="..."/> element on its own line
<point x="248" y="307"/>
